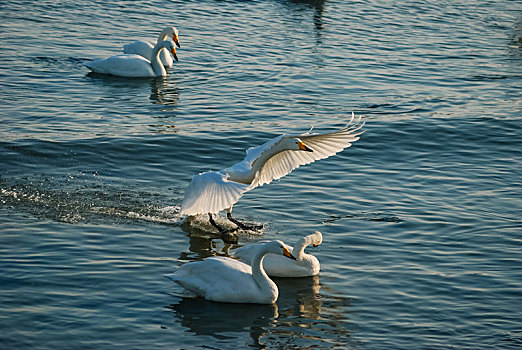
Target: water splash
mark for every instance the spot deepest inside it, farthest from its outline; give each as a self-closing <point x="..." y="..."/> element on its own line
<point x="89" y="202"/>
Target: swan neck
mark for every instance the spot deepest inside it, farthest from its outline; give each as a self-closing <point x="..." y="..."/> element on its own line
<point x="258" y="273"/>
<point x="299" y="248"/>
<point x="157" y="66"/>
<point x="162" y="36"/>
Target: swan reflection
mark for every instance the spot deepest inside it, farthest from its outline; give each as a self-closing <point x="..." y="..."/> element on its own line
<point x="301" y="314"/>
<point x="317" y="6"/>
<point x="163" y="91"/>
<point x="299" y="296"/>
<point x="202" y="246"/>
<point x="204" y="317"/>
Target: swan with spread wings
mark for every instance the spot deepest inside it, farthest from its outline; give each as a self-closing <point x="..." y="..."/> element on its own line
<point x="213" y="191"/>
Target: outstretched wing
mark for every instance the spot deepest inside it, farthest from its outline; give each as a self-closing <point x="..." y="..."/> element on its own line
<point x="211" y="192"/>
<point x="322" y="145"/>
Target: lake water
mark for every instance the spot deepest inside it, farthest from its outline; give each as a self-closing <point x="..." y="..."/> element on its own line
<point x="421" y="217"/>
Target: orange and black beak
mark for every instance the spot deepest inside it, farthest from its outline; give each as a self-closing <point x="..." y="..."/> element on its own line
<point x="315" y="245"/>
<point x="287" y="253"/>
<point x="176" y="40"/>
<point x="304" y="147"/>
<point x="173" y="52"/>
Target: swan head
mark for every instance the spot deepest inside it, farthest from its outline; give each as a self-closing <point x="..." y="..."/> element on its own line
<point x="167" y="44"/>
<point x="315" y="238"/>
<point x="295" y="144"/>
<point x="278" y="247"/>
<point x="173" y="33"/>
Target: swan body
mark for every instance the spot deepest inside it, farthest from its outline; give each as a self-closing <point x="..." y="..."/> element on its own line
<point x="145" y="48"/>
<point x="275" y="265"/>
<point x="213" y="191"/>
<point x="227" y="280"/>
<point x="135" y="66"/>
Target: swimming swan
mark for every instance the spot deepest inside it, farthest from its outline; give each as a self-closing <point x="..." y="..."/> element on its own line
<point x="275" y="265"/>
<point x="213" y="191"/>
<point x="135" y="66"/>
<point x="145" y="48"/>
<point x="230" y="281"/>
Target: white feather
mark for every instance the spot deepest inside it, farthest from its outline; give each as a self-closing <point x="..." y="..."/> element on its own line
<point x="279" y="266"/>
<point x="145" y="48"/>
<point x="212" y="192"/>
<point x="227" y="280"/>
<point x="323" y="146"/>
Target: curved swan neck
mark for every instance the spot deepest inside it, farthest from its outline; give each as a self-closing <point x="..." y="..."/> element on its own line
<point x="299" y="248"/>
<point x="163" y="35"/>
<point x="157" y="66"/>
<point x="258" y="273"/>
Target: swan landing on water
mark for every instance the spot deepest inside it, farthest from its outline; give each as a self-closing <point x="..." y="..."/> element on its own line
<point x="213" y="191"/>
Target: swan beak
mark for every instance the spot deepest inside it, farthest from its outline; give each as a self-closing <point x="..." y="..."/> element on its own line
<point x="304" y="147"/>
<point x="315" y="245"/>
<point x="176" y="40"/>
<point x="173" y="52"/>
<point x="287" y="253"/>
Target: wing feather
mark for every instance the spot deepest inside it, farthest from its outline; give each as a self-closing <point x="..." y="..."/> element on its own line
<point x="323" y="146"/>
<point x="211" y="192"/>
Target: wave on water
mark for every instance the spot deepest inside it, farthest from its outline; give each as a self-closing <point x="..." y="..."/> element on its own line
<point x="364" y="216"/>
<point x="87" y="203"/>
<point x="59" y="61"/>
<point x="106" y="203"/>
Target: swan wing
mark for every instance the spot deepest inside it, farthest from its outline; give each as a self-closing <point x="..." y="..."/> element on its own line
<point x="123" y="66"/>
<point x="140" y="47"/>
<point x="220" y="279"/>
<point x="211" y="192"/>
<point x="322" y="145"/>
<point x="145" y="49"/>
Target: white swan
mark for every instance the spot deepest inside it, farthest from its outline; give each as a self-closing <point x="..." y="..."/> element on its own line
<point x="275" y="265"/>
<point x="213" y="191"/>
<point x="133" y="65"/>
<point x="227" y="280"/>
<point x="145" y="48"/>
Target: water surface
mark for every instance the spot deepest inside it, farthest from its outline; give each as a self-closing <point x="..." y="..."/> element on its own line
<point x="420" y="217"/>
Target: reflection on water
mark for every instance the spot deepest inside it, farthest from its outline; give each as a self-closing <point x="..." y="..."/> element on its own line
<point x="303" y="309"/>
<point x="200" y="226"/>
<point x="299" y="296"/>
<point x="298" y="303"/>
<point x="93" y="170"/>
<point x="163" y="91"/>
<point x="203" y="247"/>
<point x="116" y="82"/>
<point x="298" y="311"/>
<point x="203" y="317"/>
<point x="318" y="8"/>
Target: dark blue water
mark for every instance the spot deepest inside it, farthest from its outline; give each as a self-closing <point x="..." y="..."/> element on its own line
<point x="421" y="217"/>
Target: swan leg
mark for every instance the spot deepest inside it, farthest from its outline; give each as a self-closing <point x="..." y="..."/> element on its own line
<point x="228" y="236"/>
<point x="240" y="224"/>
